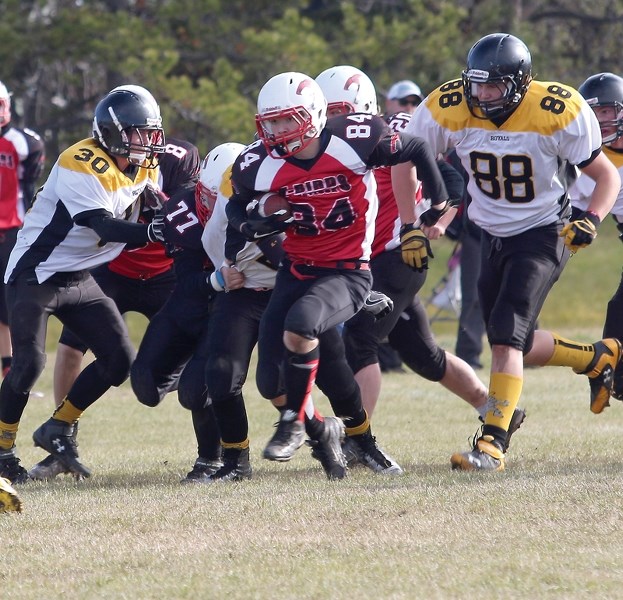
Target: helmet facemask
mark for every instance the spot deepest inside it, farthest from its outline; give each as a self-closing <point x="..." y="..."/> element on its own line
<point x="281" y="145"/>
<point x="509" y="85"/>
<point x="614" y="110"/>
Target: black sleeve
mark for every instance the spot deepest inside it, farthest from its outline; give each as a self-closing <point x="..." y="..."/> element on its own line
<point x="113" y="230"/>
<point x="453" y="180"/>
<point x="419" y="152"/>
<point x="236" y="211"/>
<point x="191" y="274"/>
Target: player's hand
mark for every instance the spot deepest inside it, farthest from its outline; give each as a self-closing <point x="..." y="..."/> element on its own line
<point x="378" y="304"/>
<point x="256" y="227"/>
<point x="153" y="197"/>
<point x="234" y="279"/>
<point x="620" y="228"/>
<point x="415" y="247"/>
<point x="581" y="232"/>
<point x="155" y="230"/>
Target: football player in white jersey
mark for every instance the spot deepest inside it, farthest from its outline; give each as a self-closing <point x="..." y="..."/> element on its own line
<point x="81" y="218"/>
<point x="604" y="94"/>
<point x="520" y="142"/>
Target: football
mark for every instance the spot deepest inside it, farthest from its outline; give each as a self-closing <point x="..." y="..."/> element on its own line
<point x="270" y="203"/>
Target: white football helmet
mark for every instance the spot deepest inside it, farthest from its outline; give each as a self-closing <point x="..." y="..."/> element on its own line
<point x="347" y="90"/>
<point x="5" y="105"/>
<point x="215" y="176"/>
<point x="290" y="95"/>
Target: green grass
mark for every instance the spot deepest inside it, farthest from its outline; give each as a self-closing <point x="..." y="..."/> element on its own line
<point x="548" y="527"/>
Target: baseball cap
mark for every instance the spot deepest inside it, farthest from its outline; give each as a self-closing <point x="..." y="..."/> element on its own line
<point x="404" y="88"/>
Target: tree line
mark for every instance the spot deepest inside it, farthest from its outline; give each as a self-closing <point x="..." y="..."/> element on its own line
<point x="205" y="60"/>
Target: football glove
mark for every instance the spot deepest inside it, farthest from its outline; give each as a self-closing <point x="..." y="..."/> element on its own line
<point x="9" y="500"/>
<point x="620" y="228"/>
<point x="155" y="230"/>
<point x="378" y="304"/>
<point x="581" y="232"/>
<point x="153" y="197"/>
<point x="415" y="247"/>
<point x="256" y="227"/>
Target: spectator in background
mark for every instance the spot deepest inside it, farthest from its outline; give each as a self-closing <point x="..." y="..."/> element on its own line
<point x="21" y="162"/>
<point x="403" y="96"/>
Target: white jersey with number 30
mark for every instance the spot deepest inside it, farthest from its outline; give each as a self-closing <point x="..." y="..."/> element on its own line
<point x="519" y="171"/>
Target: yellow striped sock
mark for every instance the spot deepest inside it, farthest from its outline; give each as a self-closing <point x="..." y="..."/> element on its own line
<point x="67" y="412"/>
<point x="8" y="433"/>
<point x="568" y="353"/>
<point x="504" y="393"/>
<point x="237" y="445"/>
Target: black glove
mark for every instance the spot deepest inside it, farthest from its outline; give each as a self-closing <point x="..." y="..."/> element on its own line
<point x="378" y="304"/>
<point x="256" y="227"/>
<point x="415" y="247"/>
<point x="155" y="230"/>
<point x="620" y="228"/>
<point x="153" y="197"/>
<point x="581" y="232"/>
<point x="432" y="215"/>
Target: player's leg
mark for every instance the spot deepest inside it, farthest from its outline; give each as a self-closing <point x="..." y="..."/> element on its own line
<point x="29" y="306"/>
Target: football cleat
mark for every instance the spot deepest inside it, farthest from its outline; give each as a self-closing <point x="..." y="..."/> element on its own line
<point x="202" y="469"/>
<point x="47" y="469"/>
<point x="485" y="456"/>
<point x="57" y="438"/>
<point x="600" y="372"/>
<point x="328" y="448"/>
<point x="10" y="467"/>
<point x="236" y="466"/>
<point x="519" y="415"/>
<point x="617" y="386"/>
<point x="9" y="500"/>
<point x="287" y="439"/>
<point x="368" y="453"/>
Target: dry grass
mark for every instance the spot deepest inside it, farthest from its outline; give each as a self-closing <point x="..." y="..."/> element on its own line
<point x="547" y="528"/>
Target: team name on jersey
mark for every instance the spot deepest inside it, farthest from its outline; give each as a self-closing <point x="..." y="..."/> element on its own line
<point x="326" y="185"/>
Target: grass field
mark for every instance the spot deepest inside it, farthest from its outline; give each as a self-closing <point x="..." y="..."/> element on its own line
<point x="548" y="527"/>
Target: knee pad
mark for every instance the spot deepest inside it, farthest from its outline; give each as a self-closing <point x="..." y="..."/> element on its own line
<point x="116" y="368"/>
<point x="433" y="367"/>
<point x="192" y="392"/>
<point x="220" y="379"/>
<point x="144" y="386"/>
<point x="24" y="373"/>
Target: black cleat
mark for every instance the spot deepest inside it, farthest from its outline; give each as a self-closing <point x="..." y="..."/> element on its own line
<point x="328" y="449"/>
<point x="56" y="437"/>
<point x="202" y="469"/>
<point x="10" y="467"/>
<point x="368" y="453"/>
<point x="47" y="469"/>
<point x="236" y="466"/>
<point x="287" y="439"/>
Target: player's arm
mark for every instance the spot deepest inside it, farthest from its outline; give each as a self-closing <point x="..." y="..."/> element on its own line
<point x="110" y="229"/>
<point x="580" y="232"/>
<point x="31" y="167"/>
<point x="418" y="162"/>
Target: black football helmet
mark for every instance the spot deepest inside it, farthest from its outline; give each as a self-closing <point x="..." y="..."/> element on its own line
<point x="605" y="90"/>
<point x="121" y="113"/>
<point x="498" y="58"/>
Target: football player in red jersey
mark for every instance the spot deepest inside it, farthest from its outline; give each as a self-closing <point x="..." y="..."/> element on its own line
<point x="22" y="155"/>
<point x="326" y="174"/>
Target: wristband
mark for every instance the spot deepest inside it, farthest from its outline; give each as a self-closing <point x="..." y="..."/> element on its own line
<point x="217" y="281"/>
